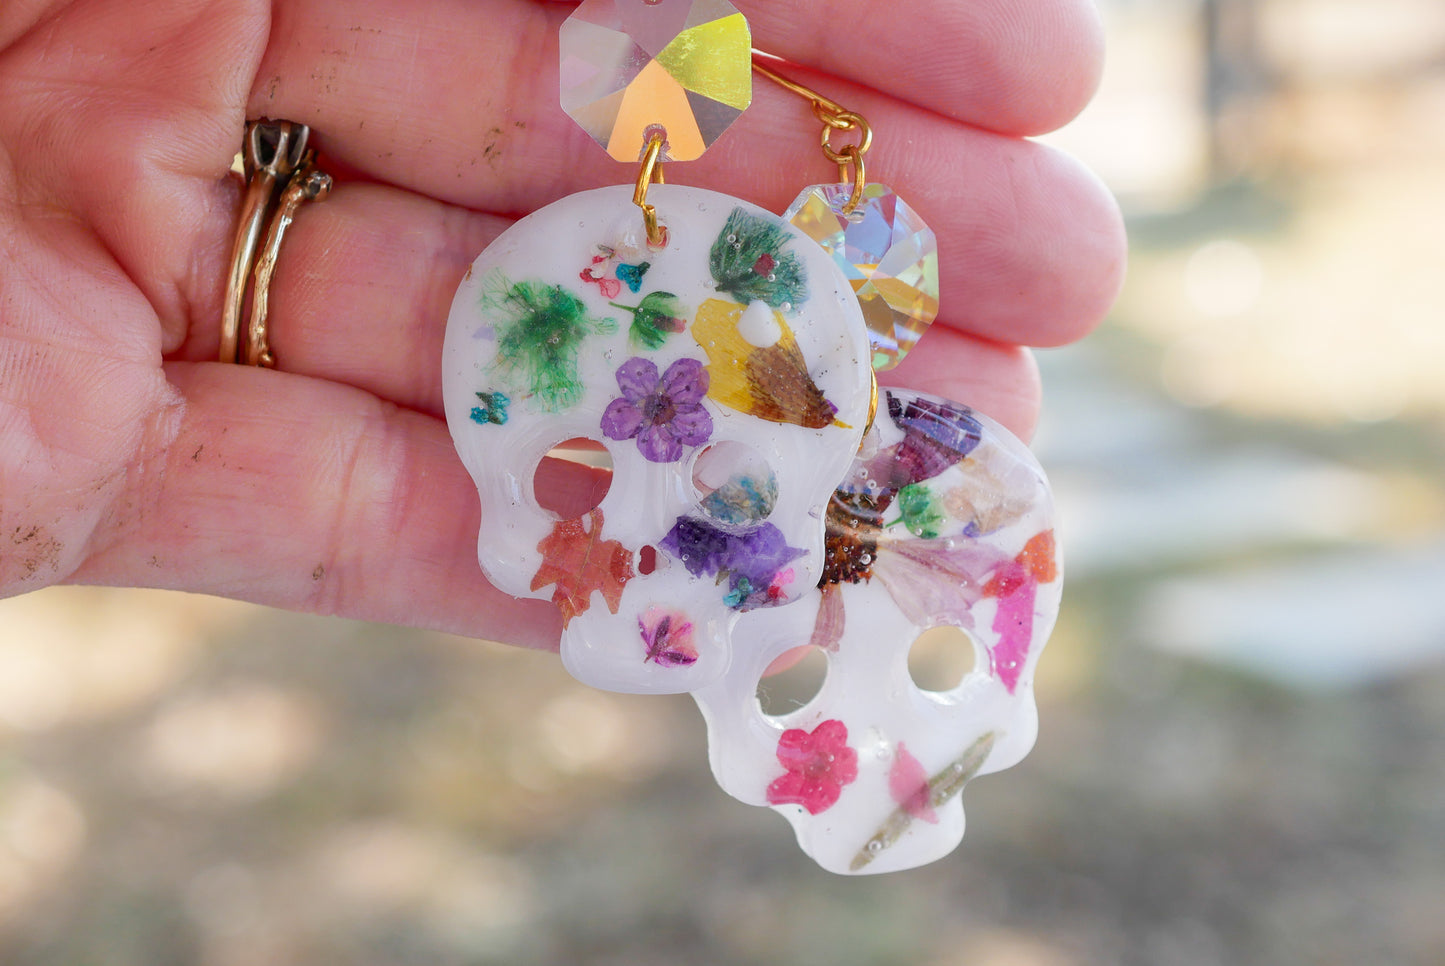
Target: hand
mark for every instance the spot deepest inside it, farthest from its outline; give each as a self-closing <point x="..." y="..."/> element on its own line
<point x="128" y="456"/>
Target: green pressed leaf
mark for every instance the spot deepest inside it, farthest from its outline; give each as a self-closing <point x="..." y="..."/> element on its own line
<point x="749" y="263"/>
<point x="540" y="330"/>
<point x="923" y="514"/>
<point x="941" y="787"/>
<point x="659" y="315"/>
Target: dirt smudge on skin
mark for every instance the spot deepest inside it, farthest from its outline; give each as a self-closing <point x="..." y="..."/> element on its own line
<point x="39" y="551"/>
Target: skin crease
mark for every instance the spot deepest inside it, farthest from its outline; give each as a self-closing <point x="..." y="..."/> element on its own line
<point x="128" y="457"/>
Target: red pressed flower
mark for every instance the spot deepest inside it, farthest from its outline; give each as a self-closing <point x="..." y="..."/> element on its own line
<point x="609" y="287"/>
<point x="778" y="588"/>
<point x="818" y="765"/>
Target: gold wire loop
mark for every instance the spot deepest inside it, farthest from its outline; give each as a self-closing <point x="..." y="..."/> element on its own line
<point x="834" y="117"/>
<point x="847" y="121"/>
<point x="650" y="173"/>
<point x="821" y="104"/>
<point x="853" y="158"/>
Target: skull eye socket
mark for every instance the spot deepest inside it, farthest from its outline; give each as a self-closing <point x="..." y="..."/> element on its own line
<point x="573" y="478"/>
<point x="941" y="657"/>
<point x="794" y="686"/>
<point x="733" y="483"/>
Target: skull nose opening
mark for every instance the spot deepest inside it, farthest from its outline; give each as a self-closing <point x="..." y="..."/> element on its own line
<point x="734" y="484"/>
<point x="800" y="678"/>
<point x="941" y="657"/>
<point x="573" y="478"/>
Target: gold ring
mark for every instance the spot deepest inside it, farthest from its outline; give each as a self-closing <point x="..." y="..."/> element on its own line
<point x="277" y="165"/>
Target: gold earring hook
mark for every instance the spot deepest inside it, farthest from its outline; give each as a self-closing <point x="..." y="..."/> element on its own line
<point x="834" y="117"/>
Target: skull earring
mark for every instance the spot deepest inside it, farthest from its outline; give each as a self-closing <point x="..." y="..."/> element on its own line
<point x="943" y="520"/>
<point x="721" y="357"/>
<point x="715" y="352"/>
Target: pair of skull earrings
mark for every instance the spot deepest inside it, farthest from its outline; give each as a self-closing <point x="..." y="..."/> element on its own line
<point x="766" y="496"/>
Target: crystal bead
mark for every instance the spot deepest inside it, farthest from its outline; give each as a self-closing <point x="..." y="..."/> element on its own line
<point x="889" y="255"/>
<point x="634" y="68"/>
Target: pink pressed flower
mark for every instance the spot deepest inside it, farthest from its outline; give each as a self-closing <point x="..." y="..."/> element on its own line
<point x="818" y="765"/>
<point x="908" y="784"/>
<point x="667" y="637"/>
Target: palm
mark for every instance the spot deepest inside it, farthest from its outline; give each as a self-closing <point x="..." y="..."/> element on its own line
<point x="127" y="456"/>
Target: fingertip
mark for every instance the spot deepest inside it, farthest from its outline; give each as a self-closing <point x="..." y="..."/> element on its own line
<point x="1091" y="254"/>
<point x="1061" y="67"/>
<point x="1016" y="69"/>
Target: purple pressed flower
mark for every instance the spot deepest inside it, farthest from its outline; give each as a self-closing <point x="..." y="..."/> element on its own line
<point x="752" y="562"/>
<point x="936" y="434"/>
<point x="663" y="414"/>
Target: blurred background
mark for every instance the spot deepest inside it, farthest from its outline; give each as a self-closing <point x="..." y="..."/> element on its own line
<point x="1242" y="750"/>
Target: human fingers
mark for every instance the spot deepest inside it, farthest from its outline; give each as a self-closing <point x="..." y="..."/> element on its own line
<point x="366" y="281"/>
<point x="308" y="495"/>
<point x="452" y="129"/>
<point x="117" y="118"/>
<point x="311" y="496"/>
<point x="997" y="64"/>
<point x="1016" y="68"/>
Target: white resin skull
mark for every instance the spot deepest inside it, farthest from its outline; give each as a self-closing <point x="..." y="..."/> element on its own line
<point x="726" y="373"/>
<point x="944" y="519"/>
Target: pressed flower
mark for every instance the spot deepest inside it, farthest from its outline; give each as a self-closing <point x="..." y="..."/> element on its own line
<point x="663" y="413"/>
<point x="609" y="287"/>
<point x="1015" y="585"/>
<point x="778" y="586"/>
<point x="769" y="382"/>
<point x="908" y="784"/>
<point x="632" y="275"/>
<point x="936" y="436"/>
<point x="577" y="561"/>
<point x="915" y="802"/>
<point x="987" y="502"/>
<point x="818" y="764"/>
<point x="667" y="637"/>
<point x="743" y="499"/>
<point x="491" y="408"/>
<point x="751" y="562"/>
<point x="921" y="512"/>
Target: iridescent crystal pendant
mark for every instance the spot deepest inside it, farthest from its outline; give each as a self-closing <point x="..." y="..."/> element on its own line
<point x="889" y="255"/>
<point x="635" y="68"/>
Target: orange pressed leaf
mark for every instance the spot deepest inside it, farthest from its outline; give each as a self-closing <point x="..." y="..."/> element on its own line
<point x="1039" y="557"/>
<point x="578" y="561"/>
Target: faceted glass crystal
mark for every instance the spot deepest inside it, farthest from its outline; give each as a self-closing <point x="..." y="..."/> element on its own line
<point x="887" y="252"/>
<point x="634" y="68"/>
